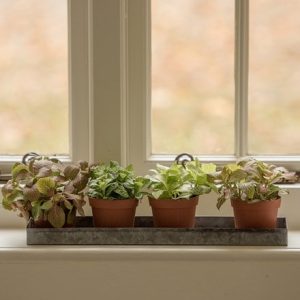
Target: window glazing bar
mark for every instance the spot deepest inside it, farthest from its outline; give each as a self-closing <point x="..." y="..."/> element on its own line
<point x="241" y="76"/>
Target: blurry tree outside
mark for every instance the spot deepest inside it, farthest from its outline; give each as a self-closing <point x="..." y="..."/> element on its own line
<point x="192" y="76"/>
<point x="274" y="77"/>
<point x="33" y="77"/>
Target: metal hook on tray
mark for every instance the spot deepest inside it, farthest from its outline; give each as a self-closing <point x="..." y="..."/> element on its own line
<point x="179" y="160"/>
<point x="29" y="156"/>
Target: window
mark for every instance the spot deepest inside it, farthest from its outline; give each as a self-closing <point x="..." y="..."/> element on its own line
<point x="34" y="77"/>
<point x="163" y="87"/>
<point x="110" y="89"/>
<point x="274" y="76"/>
<point x="43" y="48"/>
<point x="192" y="77"/>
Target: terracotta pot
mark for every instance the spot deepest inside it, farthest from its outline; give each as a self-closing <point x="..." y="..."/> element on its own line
<point x="178" y="213"/>
<point x="113" y="213"/>
<point x="261" y="214"/>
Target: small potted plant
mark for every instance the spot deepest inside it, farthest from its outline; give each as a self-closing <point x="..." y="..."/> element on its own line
<point x="173" y="192"/>
<point x="46" y="191"/>
<point x="251" y="187"/>
<point x="113" y="193"/>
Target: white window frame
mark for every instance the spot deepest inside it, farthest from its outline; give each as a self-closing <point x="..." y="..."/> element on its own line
<point x="78" y="62"/>
<point x="137" y="90"/>
<point x="110" y="88"/>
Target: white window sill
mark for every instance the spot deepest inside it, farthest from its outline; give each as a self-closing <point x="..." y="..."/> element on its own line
<point x="13" y="248"/>
<point x="148" y="272"/>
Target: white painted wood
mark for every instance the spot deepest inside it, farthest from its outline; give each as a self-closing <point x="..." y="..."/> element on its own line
<point x="106" y="80"/>
<point x="241" y="76"/>
<point x="78" y="79"/>
<point x="138" y="81"/>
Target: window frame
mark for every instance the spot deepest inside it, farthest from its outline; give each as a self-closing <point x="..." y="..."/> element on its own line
<point x="122" y="131"/>
<point x="137" y="52"/>
<point x="78" y="89"/>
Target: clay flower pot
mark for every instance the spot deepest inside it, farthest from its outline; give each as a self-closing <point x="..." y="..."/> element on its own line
<point x="179" y="213"/>
<point x="261" y="214"/>
<point x="113" y="213"/>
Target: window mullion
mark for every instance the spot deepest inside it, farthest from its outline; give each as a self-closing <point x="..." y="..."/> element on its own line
<point x="78" y="79"/>
<point x="241" y="76"/>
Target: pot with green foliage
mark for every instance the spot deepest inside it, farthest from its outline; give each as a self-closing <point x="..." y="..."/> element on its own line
<point x="46" y="191"/>
<point x="251" y="187"/>
<point x="113" y="193"/>
<point x="173" y="192"/>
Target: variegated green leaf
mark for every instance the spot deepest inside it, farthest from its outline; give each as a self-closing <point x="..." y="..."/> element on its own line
<point x="208" y="168"/>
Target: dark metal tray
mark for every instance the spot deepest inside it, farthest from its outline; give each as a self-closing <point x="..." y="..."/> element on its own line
<point x="208" y="231"/>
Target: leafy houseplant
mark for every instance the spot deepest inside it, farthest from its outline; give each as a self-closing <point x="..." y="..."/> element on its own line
<point x="113" y="193"/>
<point x="250" y="185"/>
<point x="173" y="192"/>
<point x="47" y="191"/>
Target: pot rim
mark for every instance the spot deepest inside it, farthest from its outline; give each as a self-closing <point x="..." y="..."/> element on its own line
<point x="112" y="203"/>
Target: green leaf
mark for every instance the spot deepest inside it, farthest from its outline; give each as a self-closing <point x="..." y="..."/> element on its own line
<point x="220" y="202"/>
<point x="68" y="204"/>
<point x="19" y="170"/>
<point x="250" y="192"/>
<point x="71" y="217"/>
<point x="7" y="188"/>
<point x="6" y="203"/>
<point x="120" y="190"/>
<point x="56" y="216"/>
<point x="232" y="167"/>
<point x="47" y="205"/>
<point x="36" y="211"/>
<point x="238" y="175"/>
<point x="45" y="185"/>
<point x="209" y="168"/>
<point x="157" y="194"/>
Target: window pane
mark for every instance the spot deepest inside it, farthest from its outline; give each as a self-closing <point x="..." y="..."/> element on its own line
<point x="33" y="77"/>
<point x="274" y="97"/>
<point x="192" y="76"/>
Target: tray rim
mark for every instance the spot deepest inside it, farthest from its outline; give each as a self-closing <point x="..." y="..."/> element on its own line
<point x="202" y="228"/>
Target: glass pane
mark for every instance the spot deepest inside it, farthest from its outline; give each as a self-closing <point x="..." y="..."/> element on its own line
<point x="274" y="97"/>
<point x="33" y="77"/>
<point x="192" y="76"/>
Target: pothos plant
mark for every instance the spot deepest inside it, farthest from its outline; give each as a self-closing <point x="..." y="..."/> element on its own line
<point x="251" y="181"/>
<point x="114" y="182"/>
<point x="44" y="189"/>
<point x="181" y="180"/>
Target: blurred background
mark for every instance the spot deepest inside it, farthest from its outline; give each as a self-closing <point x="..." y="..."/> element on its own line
<point x="192" y="77"/>
<point x="34" y="77"/>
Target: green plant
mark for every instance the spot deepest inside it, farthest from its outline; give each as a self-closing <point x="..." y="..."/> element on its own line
<point x="46" y="190"/>
<point x="181" y="181"/>
<point x="250" y="180"/>
<point x="112" y="181"/>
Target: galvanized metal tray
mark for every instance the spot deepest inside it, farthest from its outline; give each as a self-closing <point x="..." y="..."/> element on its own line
<point x="208" y="231"/>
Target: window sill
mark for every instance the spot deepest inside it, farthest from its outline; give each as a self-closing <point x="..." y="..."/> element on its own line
<point x="13" y="249"/>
